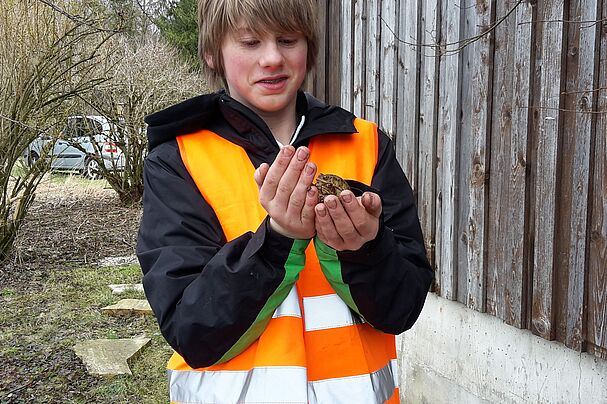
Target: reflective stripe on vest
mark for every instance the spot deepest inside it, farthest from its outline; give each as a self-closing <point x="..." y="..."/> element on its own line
<point x="329" y="354"/>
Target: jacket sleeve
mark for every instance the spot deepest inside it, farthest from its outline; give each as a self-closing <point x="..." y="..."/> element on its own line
<point x="386" y="281"/>
<point x="212" y="298"/>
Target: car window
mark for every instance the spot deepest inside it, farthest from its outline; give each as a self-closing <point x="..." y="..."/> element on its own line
<point x="79" y="127"/>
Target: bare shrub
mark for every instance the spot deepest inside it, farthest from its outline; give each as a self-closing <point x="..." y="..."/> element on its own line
<point x="145" y="76"/>
<point x="46" y="58"/>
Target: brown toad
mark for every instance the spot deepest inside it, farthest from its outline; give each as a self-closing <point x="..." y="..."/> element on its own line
<point x="330" y="184"/>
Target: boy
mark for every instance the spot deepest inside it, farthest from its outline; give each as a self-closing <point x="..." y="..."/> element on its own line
<point x="265" y="294"/>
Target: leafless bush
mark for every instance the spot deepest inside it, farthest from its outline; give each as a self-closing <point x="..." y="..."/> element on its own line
<point x="145" y="76"/>
<point x="46" y="58"/>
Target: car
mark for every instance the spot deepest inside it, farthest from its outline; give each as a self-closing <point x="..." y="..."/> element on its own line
<point x="82" y="138"/>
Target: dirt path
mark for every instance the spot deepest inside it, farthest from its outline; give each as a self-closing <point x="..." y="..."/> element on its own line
<point x="72" y="222"/>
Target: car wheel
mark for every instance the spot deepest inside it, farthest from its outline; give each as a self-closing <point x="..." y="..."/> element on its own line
<point x="91" y="169"/>
<point x="32" y="158"/>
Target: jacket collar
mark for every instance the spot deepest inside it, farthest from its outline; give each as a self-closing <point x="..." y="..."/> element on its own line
<point x="236" y="122"/>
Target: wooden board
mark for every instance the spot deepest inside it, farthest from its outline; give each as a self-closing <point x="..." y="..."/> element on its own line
<point x="333" y="70"/>
<point x="320" y="78"/>
<point x="549" y="120"/>
<point x="506" y="279"/>
<point x="476" y="100"/>
<point x="358" y="79"/>
<point x="597" y="246"/>
<point x="574" y="170"/>
<point x="387" y="71"/>
<point x="346" y="55"/>
<point x="407" y="99"/>
<point x="428" y="129"/>
<point x="372" y="61"/>
<point x="448" y="139"/>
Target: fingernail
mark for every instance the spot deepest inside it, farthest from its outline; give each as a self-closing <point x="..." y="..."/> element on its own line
<point x="322" y="212"/>
<point x="311" y="191"/>
<point x="309" y="169"/>
<point x="302" y="154"/>
<point x="287" y="151"/>
<point x="346" y="197"/>
<point x="331" y="203"/>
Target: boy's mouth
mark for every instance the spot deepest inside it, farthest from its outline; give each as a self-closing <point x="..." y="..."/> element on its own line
<point x="273" y="80"/>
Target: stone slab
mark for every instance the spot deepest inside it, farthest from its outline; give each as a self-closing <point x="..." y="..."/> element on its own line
<point x="118" y="261"/>
<point x="109" y="357"/>
<point x="129" y="307"/>
<point x="121" y="288"/>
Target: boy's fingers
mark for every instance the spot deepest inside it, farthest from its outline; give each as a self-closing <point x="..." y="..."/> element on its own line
<point x="275" y="173"/>
<point x="291" y="177"/>
<point x="340" y="218"/>
<point x="326" y="227"/>
<point x="260" y="174"/>
<point x="372" y="203"/>
<point x="297" y="199"/>
<point x="363" y="221"/>
<point x="307" y="213"/>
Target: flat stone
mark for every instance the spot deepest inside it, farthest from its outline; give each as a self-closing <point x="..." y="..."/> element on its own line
<point x="109" y="357"/>
<point x="121" y="288"/>
<point x="118" y="261"/>
<point x="129" y="307"/>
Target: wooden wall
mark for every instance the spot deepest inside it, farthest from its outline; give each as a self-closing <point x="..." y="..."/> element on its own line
<point x="498" y="110"/>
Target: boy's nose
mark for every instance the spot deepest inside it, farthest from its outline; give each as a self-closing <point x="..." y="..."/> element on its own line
<point x="272" y="56"/>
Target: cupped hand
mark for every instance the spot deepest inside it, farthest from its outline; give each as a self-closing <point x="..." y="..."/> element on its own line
<point x="285" y="192"/>
<point x="348" y="222"/>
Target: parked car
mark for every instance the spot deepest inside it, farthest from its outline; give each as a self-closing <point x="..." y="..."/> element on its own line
<point x="82" y="138"/>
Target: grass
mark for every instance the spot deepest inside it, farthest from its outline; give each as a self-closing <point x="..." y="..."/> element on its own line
<point x="40" y="325"/>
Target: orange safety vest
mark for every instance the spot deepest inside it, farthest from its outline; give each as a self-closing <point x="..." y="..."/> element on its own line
<point x="314" y="349"/>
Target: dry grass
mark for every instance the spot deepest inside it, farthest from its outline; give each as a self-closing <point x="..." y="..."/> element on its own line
<point x="51" y="292"/>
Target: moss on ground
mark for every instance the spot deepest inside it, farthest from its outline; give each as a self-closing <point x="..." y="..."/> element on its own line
<point x="40" y="325"/>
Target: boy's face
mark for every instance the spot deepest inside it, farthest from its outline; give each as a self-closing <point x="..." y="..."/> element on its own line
<point x="264" y="72"/>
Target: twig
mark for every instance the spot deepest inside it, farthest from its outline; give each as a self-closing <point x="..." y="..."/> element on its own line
<point x="591" y="22"/>
<point x="15" y="390"/>
<point x="565" y="110"/>
<point x="79" y="20"/>
<point x="463" y="42"/>
<point x="584" y="91"/>
<point x="22" y="124"/>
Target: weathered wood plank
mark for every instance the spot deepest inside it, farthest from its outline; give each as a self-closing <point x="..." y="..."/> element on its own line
<point x="387" y="75"/>
<point x="407" y="100"/>
<point x="346" y="54"/>
<point x="551" y="38"/>
<point x="575" y="172"/>
<point x="320" y="76"/>
<point x="464" y="149"/>
<point x="358" y="78"/>
<point x="372" y="61"/>
<point x="428" y="129"/>
<point x="506" y="274"/>
<point x="597" y="268"/>
<point x="477" y="87"/>
<point x="333" y="72"/>
<point x="448" y="139"/>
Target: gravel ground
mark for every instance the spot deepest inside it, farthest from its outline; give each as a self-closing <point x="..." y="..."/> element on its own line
<point x="72" y="222"/>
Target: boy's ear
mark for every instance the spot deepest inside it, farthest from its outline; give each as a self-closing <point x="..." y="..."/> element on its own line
<point x="209" y="60"/>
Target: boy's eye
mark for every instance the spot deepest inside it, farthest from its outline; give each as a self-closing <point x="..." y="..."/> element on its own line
<point x="287" y="41"/>
<point x="249" y="43"/>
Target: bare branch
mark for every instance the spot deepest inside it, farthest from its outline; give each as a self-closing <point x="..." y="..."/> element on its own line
<point x="591" y="22"/>
<point x="442" y="48"/>
<point x="78" y="19"/>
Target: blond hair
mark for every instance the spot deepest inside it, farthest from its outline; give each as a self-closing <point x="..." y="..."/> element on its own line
<point x="216" y="18"/>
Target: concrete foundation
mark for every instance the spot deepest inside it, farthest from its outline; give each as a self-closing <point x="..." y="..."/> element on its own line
<point x="457" y="355"/>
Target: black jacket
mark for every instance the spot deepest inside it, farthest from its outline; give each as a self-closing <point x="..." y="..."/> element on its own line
<point x="200" y="287"/>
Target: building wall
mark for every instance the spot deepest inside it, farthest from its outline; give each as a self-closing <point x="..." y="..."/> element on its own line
<point x="498" y="112"/>
<point x="457" y="355"/>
